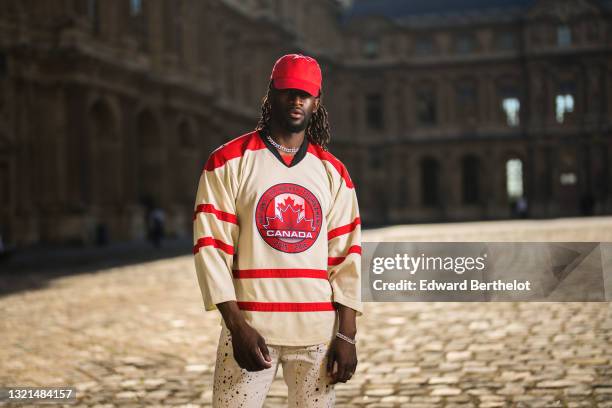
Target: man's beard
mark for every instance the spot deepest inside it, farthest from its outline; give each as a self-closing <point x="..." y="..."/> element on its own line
<point x="296" y="127"/>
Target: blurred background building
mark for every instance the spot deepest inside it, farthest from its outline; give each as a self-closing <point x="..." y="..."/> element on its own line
<point x="442" y="110"/>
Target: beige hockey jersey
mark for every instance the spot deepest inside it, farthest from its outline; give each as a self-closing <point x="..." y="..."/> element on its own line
<point x="283" y="240"/>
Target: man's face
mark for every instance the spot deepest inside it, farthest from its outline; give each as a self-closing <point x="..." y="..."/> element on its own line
<point x="293" y="108"/>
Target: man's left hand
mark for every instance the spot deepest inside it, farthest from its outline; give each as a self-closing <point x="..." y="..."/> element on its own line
<point x="344" y="354"/>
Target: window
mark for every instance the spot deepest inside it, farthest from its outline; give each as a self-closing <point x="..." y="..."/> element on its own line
<point x="465" y="44"/>
<point x="106" y="175"/>
<point x="564" y="104"/>
<point x="376" y="158"/>
<point x="536" y="34"/>
<point x="564" y="36"/>
<point x="601" y="169"/>
<point x="371" y="48"/>
<point x="92" y="8"/>
<point x="514" y="178"/>
<point x="506" y="41"/>
<point x="568" y="179"/>
<point x="3" y="65"/>
<point x="424" y="46"/>
<point x="135" y="7"/>
<point x="374" y="111"/>
<point x="184" y="167"/>
<point x="5" y="185"/>
<point x="138" y="23"/>
<point x="470" y="166"/>
<point x="93" y="12"/>
<point x="173" y="27"/>
<point x="466" y="102"/>
<point x="593" y="31"/>
<point x="149" y="166"/>
<point x="104" y="124"/>
<point x="511" y="107"/>
<point x="430" y="176"/>
<point x="509" y="101"/>
<point x="426" y="106"/>
<point x="546" y="173"/>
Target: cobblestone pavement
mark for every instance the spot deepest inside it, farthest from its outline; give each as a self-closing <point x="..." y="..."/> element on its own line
<point x="138" y="336"/>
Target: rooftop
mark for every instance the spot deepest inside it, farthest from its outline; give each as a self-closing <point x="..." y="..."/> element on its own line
<point x="423" y="11"/>
<point x="402" y="8"/>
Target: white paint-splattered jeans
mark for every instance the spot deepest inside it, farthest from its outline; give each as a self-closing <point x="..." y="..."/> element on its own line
<point x="304" y="373"/>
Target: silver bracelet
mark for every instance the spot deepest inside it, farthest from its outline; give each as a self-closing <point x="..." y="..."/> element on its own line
<point x="343" y="337"/>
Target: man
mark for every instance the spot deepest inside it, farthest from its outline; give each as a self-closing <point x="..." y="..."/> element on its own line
<point x="277" y="250"/>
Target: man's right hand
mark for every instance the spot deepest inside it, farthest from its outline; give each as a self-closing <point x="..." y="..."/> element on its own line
<point x="250" y="350"/>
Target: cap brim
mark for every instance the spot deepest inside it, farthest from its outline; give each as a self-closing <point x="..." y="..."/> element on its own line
<point x="294" y="83"/>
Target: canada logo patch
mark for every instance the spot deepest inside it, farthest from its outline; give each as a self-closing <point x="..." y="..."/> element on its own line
<point x="288" y="217"/>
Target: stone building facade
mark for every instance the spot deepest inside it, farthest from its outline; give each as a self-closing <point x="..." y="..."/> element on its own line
<point x="109" y="109"/>
<point x="471" y="108"/>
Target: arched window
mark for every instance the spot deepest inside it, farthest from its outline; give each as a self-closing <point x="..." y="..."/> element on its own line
<point x="5" y="185"/>
<point x="514" y="178"/>
<point x="185" y="173"/>
<point x="374" y="110"/>
<point x="424" y="46"/>
<point x="511" y="107"/>
<point x="106" y="163"/>
<point x="505" y="41"/>
<point x="470" y="179"/>
<point x="564" y="101"/>
<point x="426" y="105"/>
<point x="135" y="7"/>
<point x="564" y="36"/>
<point x="509" y="99"/>
<point x="430" y="182"/>
<point x="371" y="47"/>
<point x="93" y="12"/>
<point x="149" y="136"/>
<point x="173" y="28"/>
<point x="150" y="155"/>
<point x="466" y="102"/>
<point x="138" y="23"/>
<point x="104" y="124"/>
<point x="465" y="43"/>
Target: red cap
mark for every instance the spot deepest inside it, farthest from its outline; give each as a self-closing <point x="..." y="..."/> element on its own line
<point x="297" y="71"/>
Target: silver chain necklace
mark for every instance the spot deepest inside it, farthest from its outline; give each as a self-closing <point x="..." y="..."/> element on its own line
<point x="283" y="148"/>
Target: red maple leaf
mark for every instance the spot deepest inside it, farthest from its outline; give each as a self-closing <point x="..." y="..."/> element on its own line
<point x="289" y="202"/>
<point x="289" y="218"/>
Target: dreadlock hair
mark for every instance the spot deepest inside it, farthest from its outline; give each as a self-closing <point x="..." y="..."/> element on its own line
<point x="317" y="131"/>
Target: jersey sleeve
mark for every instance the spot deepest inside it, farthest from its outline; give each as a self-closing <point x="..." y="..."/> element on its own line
<point x="344" y="246"/>
<point x="215" y="233"/>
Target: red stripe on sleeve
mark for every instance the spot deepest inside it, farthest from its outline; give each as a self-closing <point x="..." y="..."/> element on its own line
<point x="221" y="215"/>
<point x="286" y="306"/>
<point x="332" y="261"/>
<point x="210" y="241"/>
<point x="345" y="229"/>
<point x="279" y="273"/>
<point x="234" y="148"/>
